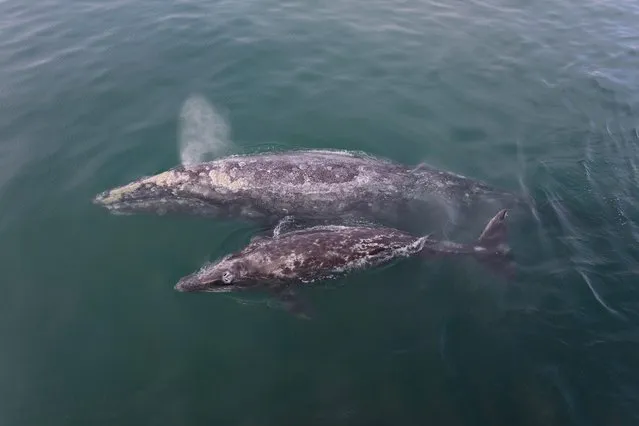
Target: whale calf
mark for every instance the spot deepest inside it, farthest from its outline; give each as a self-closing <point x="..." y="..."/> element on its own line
<point x="306" y="184"/>
<point x="282" y="262"/>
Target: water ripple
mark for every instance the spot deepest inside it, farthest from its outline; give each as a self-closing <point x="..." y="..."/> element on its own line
<point x="541" y="98"/>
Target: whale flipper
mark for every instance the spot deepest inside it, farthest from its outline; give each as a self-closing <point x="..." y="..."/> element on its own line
<point x="275" y="229"/>
<point x="419" y="167"/>
<point x="290" y="301"/>
<point x="497" y="255"/>
<point x="283" y="225"/>
<point x="495" y="232"/>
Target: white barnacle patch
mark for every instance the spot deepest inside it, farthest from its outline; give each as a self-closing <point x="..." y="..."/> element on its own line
<point x="370" y="252"/>
<point x="362" y="262"/>
<point x="166" y="179"/>
<point x="209" y="267"/>
<point x="290" y="263"/>
<point x="169" y="178"/>
<point x="118" y="193"/>
<point x="223" y="181"/>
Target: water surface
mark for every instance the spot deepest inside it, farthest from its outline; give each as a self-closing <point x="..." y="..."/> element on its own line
<point x="541" y="98"/>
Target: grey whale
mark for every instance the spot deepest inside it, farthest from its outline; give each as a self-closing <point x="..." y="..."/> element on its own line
<point x="317" y="185"/>
<point x="282" y="263"/>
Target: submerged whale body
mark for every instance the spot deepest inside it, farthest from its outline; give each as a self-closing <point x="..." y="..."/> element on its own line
<point x="310" y="184"/>
<point x="286" y="261"/>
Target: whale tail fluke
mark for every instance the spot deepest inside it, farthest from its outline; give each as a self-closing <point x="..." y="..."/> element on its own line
<point x="492" y="248"/>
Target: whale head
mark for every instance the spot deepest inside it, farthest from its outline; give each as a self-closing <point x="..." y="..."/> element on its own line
<point x="205" y="190"/>
<point x="229" y="274"/>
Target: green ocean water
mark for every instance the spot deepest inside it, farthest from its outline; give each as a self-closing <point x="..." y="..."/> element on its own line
<point x="540" y="98"/>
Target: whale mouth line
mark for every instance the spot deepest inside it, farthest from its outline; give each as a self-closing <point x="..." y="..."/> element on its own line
<point x="106" y="198"/>
<point x="220" y="289"/>
<point x="150" y="200"/>
<point x="203" y="286"/>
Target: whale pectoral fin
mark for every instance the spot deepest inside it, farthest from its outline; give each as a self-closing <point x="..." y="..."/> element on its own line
<point x="420" y="166"/>
<point x="290" y="301"/>
<point x="276" y="229"/>
<point x="283" y="226"/>
<point x="496" y="253"/>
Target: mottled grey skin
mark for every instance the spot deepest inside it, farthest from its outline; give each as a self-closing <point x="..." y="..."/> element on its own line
<point x="311" y="184"/>
<point x="322" y="252"/>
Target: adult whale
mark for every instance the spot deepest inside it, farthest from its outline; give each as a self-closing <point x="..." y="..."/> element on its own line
<point x="286" y="261"/>
<point x="307" y="184"/>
